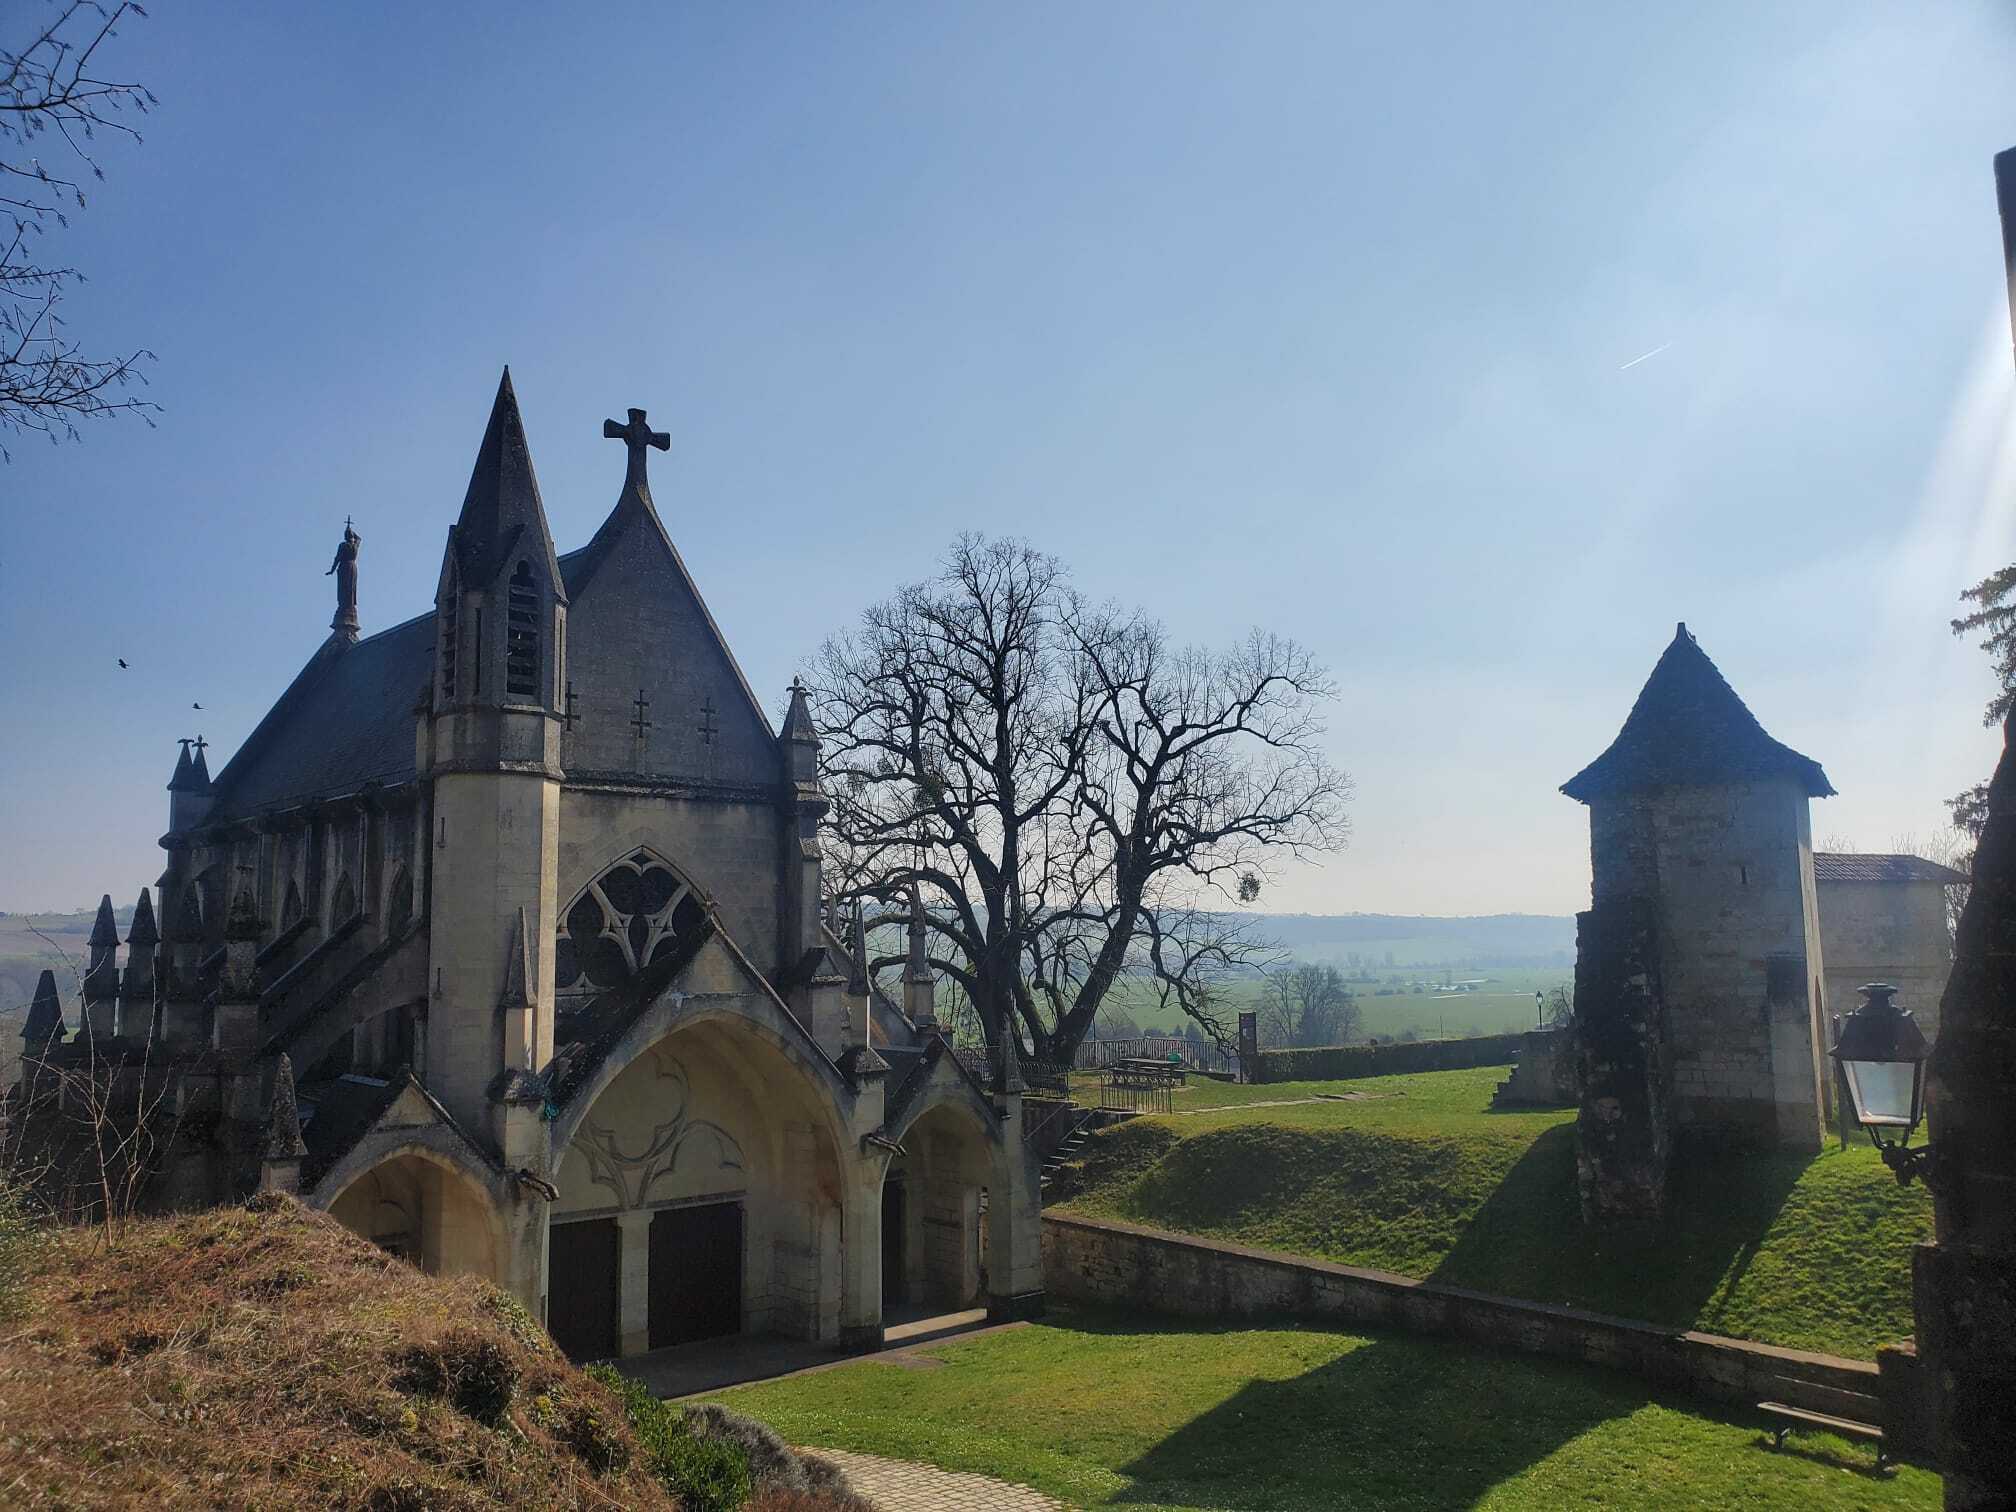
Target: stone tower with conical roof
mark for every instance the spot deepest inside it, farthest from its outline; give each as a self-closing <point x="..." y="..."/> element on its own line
<point x="1698" y="974"/>
<point x="494" y="736"/>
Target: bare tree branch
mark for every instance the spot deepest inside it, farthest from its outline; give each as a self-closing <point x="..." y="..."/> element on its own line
<point x="1077" y="799"/>
<point x="51" y="96"/>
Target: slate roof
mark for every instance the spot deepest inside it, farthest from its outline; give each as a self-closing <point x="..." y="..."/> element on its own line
<point x="501" y="512"/>
<point x="347" y="720"/>
<point x="1689" y="729"/>
<point x="344" y="722"/>
<point x="1832" y="866"/>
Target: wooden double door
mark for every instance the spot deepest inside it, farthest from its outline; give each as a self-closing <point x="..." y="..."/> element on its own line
<point x="696" y="1273"/>
<point x="694" y="1279"/>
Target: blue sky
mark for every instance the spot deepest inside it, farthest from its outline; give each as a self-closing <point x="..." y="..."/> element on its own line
<point x="1311" y="317"/>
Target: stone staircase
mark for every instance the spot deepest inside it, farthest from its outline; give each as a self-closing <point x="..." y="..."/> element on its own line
<point x="1055" y="1183"/>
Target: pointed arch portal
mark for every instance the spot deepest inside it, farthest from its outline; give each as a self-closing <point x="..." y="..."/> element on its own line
<point x="934" y="1196"/>
<point x="700" y="1194"/>
<point x="420" y="1207"/>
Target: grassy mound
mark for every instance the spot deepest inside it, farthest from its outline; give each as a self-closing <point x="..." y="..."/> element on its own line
<point x="267" y="1357"/>
<point x="1804" y="1252"/>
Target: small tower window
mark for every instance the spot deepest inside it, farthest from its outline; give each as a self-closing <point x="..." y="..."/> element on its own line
<point x="521" y="635"/>
<point x="450" y="620"/>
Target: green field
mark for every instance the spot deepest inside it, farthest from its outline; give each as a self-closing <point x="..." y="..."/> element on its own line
<point x="1503" y="1004"/>
<point x="1807" y="1252"/>
<point x="1101" y="1410"/>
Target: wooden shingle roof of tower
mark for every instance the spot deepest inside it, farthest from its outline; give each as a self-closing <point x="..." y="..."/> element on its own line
<point x="1689" y="729"/>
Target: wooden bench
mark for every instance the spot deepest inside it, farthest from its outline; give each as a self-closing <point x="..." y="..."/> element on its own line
<point x="1789" y="1418"/>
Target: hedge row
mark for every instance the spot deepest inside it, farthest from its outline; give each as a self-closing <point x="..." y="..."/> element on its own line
<point x="1343" y="1062"/>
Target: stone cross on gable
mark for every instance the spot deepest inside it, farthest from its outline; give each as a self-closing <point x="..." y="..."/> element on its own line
<point x="636" y="436"/>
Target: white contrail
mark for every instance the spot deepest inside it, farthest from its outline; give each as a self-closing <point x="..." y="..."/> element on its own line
<point x="1647" y="357"/>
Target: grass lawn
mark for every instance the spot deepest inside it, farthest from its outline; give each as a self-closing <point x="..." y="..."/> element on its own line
<point x="1504" y="1005"/>
<point x="1422" y="1179"/>
<point x="1111" y="1411"/>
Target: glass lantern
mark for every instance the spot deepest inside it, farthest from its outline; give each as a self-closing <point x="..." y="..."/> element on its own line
<point x="1881" y="1052"/>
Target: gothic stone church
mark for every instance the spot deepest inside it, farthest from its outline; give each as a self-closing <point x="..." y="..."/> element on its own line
<point x="501" y="940"/>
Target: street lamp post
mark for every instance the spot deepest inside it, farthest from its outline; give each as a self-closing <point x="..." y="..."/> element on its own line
<point x="1881" y="1052"/>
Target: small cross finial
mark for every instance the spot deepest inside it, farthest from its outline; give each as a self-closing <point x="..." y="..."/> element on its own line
<point x="636" y="436"/>
<point x="185" y="742"/>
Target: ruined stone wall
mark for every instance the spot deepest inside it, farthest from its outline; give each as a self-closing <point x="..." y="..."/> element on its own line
<point x="1730" y="873"/>
<point x="1624" y="1131"/>
<point x="1891" y="932"/>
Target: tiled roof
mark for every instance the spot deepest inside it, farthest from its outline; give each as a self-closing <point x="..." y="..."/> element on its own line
<point x="346" y="721"/>
<point x="1834" y="866"/>
<point x="1689" y="729"/>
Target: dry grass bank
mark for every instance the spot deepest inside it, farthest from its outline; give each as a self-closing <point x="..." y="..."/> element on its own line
<point x="266" y="1357"/>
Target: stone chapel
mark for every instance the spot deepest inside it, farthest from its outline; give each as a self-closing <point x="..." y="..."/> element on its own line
<point x="501" y="938"/>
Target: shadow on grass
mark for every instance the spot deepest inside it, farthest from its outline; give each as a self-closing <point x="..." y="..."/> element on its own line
<point x="1528" y="1239"/>
<point x="1396" y="1422"/>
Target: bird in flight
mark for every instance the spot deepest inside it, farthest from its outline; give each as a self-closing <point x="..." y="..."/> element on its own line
<point x="195" y="706"/>
<point x="122" y="661"/>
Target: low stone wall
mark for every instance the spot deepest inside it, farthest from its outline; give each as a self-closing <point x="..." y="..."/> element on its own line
<point x="1120" y="1265"/>
<point x="1344" y="1062"/>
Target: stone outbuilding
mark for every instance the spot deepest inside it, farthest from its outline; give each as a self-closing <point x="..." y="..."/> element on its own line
<point x="502" y="938"/>
<point x="1886" y="918"/>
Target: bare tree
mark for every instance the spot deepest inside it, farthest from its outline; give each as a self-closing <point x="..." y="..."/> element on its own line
<point x="1075" y="797"/>
<point x="88" y="1130"/>
<point x="1309" y="1006"/>
<point x="1559" y="1012"/>
<point x="53" y="97"/>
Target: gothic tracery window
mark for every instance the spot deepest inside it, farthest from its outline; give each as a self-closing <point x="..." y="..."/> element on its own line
<point x="635" y="913"/>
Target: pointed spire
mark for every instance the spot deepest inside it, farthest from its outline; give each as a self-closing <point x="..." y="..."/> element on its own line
<point x="798" y="717"/>
<point x="1008" y="1063"/>
<point x="517" y="966"/>
<point x="283" y="1118"/>
<point x="101" y="976"/>
<point x="918" y="965"/>
<point x="200" y="779"/>
<point x="185" y="770"/>
<point x="144" y="935"/>
<point x="45" y="1013"/>
<point x="857" y="955"/>
<point x="919" y="987"/>
<point x="502" y="519"/>
<point x="105" y="929"/>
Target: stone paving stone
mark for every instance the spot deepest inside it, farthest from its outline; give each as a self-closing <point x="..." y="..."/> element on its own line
<point x="905" y="1486"/>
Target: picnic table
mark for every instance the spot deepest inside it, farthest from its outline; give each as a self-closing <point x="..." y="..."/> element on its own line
<point x="1143" y="1065"/>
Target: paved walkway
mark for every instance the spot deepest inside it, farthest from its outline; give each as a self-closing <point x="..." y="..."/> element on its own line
<point x="904" y="1486"/>
<point x="714" y="1364"/>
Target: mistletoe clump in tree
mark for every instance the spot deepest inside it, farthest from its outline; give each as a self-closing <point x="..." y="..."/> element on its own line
<point x="1068" y="797"/>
